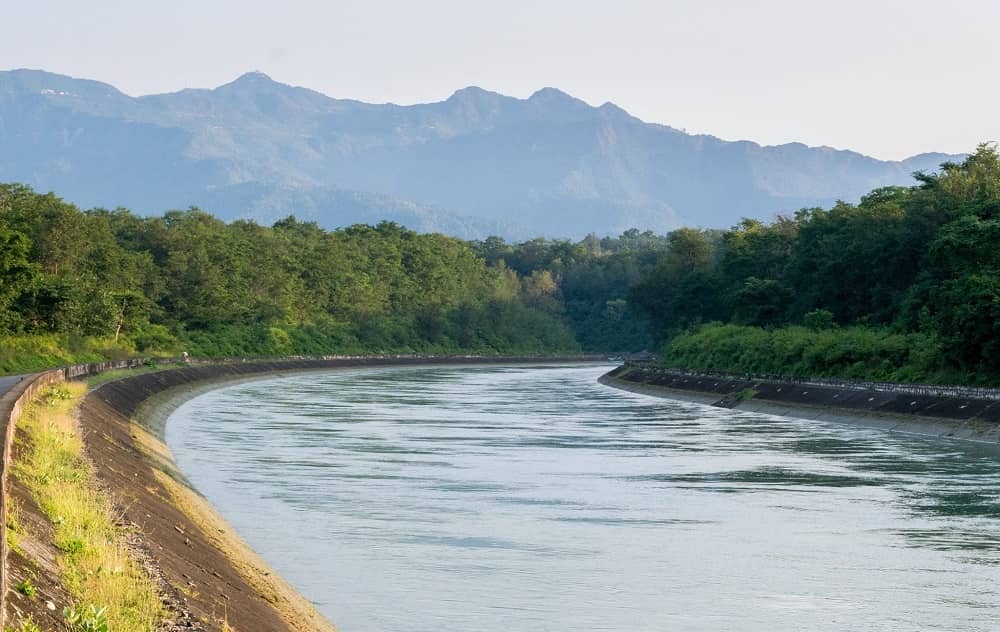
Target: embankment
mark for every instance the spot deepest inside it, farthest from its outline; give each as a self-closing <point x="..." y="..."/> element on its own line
<point x="210" y="579"/>
<point x="12" y="405"/>
<point x="956" y="417"/>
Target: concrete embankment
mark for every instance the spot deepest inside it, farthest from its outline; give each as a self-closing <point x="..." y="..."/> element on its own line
<point x="16" y="396"/>
<point x="210" y="579"/>
<point x="954" y="417"/>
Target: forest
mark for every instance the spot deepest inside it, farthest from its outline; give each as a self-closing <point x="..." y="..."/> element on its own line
<point x="904" y="285"/>
<point x="82" y="285"/>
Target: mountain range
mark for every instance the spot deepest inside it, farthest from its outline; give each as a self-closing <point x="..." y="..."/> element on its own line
<point x="476" y="164"/>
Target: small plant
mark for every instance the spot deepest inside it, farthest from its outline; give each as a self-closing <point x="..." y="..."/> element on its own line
<point x="72" y="546"/>
<point x="14" y="526"/>
<point x="56" y="394"/>
<point x="26" y="588"/>
<point x="26" y="625"/>
<point x="93" y="619"/>
<point x="13" y="543"/>
<point x="13" y="515"/>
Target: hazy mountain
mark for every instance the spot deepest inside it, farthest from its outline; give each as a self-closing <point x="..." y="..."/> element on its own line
<point x="475" y="164"/>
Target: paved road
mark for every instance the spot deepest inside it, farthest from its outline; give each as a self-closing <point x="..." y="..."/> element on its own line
<point x="7" y="382"/>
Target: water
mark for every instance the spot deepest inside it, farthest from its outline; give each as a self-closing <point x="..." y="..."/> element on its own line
<point x="509" y="499"/>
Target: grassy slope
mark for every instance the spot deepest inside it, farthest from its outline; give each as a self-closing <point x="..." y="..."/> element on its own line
<point x="866" y="353"/>
<point x="95" y="565"/>
<point x="30" y="354"/>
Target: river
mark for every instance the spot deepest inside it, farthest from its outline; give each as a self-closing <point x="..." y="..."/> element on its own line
<point x="532" y="498"/>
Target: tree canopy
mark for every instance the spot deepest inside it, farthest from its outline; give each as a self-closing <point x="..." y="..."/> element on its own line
<point x="921" y="260"/>
<point x="916" y="266"/>
<point x="189" y="281"/>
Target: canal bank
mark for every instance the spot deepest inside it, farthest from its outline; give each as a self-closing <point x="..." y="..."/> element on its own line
<point x="208" y="577"/>
<point x="926" y="414"/>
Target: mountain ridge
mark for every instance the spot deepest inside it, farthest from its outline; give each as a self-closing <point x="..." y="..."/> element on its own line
<point x="549" y="164"/>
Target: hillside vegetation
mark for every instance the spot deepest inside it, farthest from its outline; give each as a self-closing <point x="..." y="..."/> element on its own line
<point x="904" y="285"/>
<point x="81" y="285"/>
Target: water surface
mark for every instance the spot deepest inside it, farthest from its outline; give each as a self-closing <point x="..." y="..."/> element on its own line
<point x="532" y="498"/>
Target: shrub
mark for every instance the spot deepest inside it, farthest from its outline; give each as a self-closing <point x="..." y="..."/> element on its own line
<point x="876" y="353"/>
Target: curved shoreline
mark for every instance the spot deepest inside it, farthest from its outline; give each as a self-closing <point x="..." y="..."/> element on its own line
<point x="152" y="413"/>
<point x="210" y="578"/>
<point x="213" y="576"/>
<point x="254" y="596"/>
<point x="968" y="420"/>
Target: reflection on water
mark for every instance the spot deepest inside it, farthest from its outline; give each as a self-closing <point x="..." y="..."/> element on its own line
<point x="500" y="498"/>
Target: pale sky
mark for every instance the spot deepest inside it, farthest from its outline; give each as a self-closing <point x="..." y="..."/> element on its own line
<point x="889" y="78"/>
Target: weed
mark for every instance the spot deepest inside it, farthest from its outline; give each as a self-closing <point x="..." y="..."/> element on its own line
<point x="14" y="526"/>
<point x="55" y="394"/>
<point x="13" y="543"/>
<point x="92" y="619"/>
<point x="26" y="625"/>
<point x="72" y="546"/>
<point x="26" y="588"/>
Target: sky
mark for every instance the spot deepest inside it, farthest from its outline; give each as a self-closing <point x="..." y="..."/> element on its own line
<point x="885" y="77"/>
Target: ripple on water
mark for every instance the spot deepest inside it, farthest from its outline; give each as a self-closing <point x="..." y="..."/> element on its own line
<point x="497" y="498"/>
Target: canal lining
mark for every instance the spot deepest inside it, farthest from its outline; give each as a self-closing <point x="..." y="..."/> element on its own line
<point x="930" y="416"/>
<point x="221" y="579"/>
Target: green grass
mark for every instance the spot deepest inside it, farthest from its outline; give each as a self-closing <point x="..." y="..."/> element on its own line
<point x="94" y="563"/>
<point x="863" y="353"/>
<point x="13" y="526"/>
<point x="25" y="625"/>
<point x="117" y="374"/>
<point x="497" y="328"/>
<point x="30" y="354"/>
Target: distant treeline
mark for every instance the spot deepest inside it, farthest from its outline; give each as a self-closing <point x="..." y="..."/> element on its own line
<point x="83" y="284"/>
<point x="904" y="285"/>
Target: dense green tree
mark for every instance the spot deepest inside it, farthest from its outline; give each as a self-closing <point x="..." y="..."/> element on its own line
<point x="17" y="275"/>
<point x="186" y="280"/>
<point x="905" y="266"/>
<point x="915" y="260"/>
